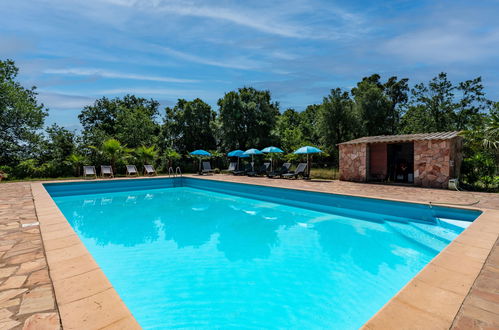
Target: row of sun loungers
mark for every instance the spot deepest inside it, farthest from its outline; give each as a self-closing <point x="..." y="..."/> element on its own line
<point x="107" y="171"/>
<point x="282" y="172"/>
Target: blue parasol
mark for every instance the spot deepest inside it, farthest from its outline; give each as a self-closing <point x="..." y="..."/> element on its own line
<point x="252" y="152"/>
<point x="308" y="150"/>
<point x="271" y="150"/>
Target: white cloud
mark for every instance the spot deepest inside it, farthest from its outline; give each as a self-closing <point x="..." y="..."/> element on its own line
<point x="434" y="46"/>
<point x="234" y="63"/>
<point x="57" y="101"/>
<point x="275" y="18"/>
<point x="112" y="74"/>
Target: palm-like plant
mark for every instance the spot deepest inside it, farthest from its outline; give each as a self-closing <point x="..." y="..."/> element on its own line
<point x="76" y="161"/>
<point x="113" y="150"/>
<point x="491" y="132"/>
<point x="171" y="155"/>
<point x="488" y="135"/>
<point x="145" y="155"/>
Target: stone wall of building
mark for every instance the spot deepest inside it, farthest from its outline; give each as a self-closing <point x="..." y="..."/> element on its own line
<point x="435" y="162"/>
<point x="353" y="162"/>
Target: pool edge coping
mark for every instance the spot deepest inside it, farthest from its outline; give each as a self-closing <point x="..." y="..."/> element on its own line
<point x="431" y="299"/>
<point x="84" y="295"/>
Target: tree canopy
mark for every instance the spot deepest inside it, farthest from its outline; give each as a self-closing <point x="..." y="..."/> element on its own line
<point x="21" y="116"/>
<point x="135" y="129"/>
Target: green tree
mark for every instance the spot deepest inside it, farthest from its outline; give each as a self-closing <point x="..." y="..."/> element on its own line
<point x="21" y="117"/>
<point x="481" y="149"/>
<point x="130" y="119"/>
<point x="309" y="123"/>
<point x="289" y="131"/>
<point x="56" y="148"/>
<point x="189" y="126"/>
<point x="60" y="144"/>
<point x="247" y="118"/>
<point x="397" y="93"/>
<point x="442" y="106"/>
<point x="373" y="107"/>
<point x="337" y="119"/>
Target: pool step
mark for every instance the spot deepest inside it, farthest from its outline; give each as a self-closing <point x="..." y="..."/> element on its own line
<point x="442" y="233"/>
<point x="416" y="235"/>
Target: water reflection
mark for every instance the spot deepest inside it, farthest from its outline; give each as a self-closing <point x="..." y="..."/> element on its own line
<point x="188" y="218"/>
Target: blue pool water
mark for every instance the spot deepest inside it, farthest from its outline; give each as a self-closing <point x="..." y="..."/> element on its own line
<point x="194" y="253"/>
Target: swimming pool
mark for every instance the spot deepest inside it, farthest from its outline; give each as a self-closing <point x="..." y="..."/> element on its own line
<point x="198" y="253"/>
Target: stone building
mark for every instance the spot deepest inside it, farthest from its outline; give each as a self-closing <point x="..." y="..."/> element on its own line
<point x="427" y="160"/>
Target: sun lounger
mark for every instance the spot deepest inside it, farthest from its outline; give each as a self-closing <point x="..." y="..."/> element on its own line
<point x="246" y="169"/>
<point x="300" y="170"/>
<point x="206" y="168"/>
<point x="232" y="167"/>
<point x="89" y="171"/>
<point x="261" y="171"/>
<point x="278" y="173"/>
<point x="106" y="170"/>
<point x="149" y="170"/>
<point x="132" y="170"/>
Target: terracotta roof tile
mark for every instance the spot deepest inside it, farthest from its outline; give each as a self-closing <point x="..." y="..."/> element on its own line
<point x="404" y="138"/>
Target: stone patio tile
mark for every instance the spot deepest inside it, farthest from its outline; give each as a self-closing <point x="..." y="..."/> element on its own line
<point x="5" y="314"/>
<point x="93" y="312"/>
<point x="485" y="304"/>
<point x="8" y="325"/>
<point x="38" y="277"/>
<point x="72" y="267"/>
<point x="26" y="257"/>
<point x="31" y="266"/>
<point x="64" y="242"/>
<point x="81" y="286"/>
<point x="7" y="271"/>
<point x="462" y="264"/>
<point x="10" y="303"/>
<point x="42" y="321"/>
<point x="58" y="234"/>
<point x="127" y="323"/>
<point x="478" y="239"/>
<point x="37" y="300"/>
<point x="442" y="303"/>
<point x="73" y="251"/>
<point x="13" y="282"/>
<point x="56" y="226"/>
<point x="8" y="294"/>
<point x="12" y="253"/>
<point x="398" y="315"/>
<point x="487" y="283"/>
<point x="446" y="279"/>
<point x="491" y="319"/>
<point x="461" y="249"/>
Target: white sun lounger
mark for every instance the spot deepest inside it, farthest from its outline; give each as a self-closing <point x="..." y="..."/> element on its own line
<point x="132" y="170"/>
<point x="89" y="171"/>
<point x="149" y="170"/>
<point x="106" y="170"/>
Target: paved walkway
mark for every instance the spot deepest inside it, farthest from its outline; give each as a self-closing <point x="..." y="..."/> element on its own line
<point x="406" y="193"/>
<point x="26" y="293"/>
<point x="480" y="309"/>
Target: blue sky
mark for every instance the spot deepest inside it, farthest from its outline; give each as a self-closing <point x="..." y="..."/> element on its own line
<point x="78" y="50"/>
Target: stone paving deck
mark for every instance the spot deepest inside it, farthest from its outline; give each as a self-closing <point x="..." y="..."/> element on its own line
<point x="27" y="291"/>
